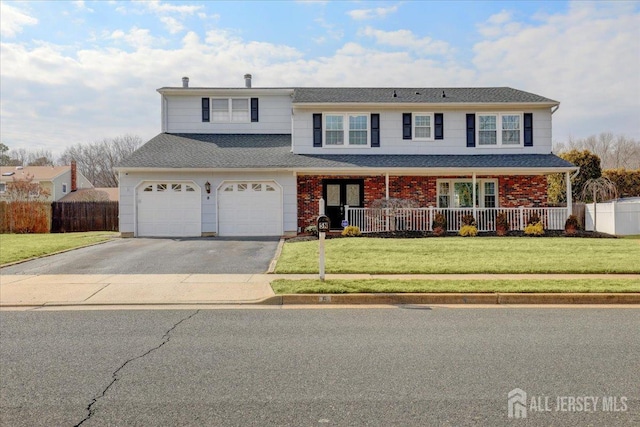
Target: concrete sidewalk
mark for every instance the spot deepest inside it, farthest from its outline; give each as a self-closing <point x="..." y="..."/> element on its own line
<point x="176" y="289"/>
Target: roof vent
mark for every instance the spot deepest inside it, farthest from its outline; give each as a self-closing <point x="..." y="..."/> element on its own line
<point x="247" y="80"/>
<point x="185" y="82"/>
<point x="443" y="95"/>
<point x="395" y="95"/>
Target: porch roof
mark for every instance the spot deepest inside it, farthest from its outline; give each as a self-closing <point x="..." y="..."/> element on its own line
<point x="273" y="151"/>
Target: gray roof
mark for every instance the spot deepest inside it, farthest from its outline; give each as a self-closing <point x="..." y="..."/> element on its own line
<point x="417" y="95"/>
<point x="273" y="151"/>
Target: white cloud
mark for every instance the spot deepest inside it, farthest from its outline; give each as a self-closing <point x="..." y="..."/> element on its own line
<point x="587" y="58"/>
<point x="173" y="25"/>
<point x="332" y="33"/>
<point x="406" y="39"/>
<point x="159" y="7"/>
<point x="378" y="12"/>
<point x="12" y="20"/>
<point x="80" y="4"/>
<point x="136" y="37"/>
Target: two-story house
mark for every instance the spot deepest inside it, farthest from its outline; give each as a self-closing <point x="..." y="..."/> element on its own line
<point x="257" y="161"/>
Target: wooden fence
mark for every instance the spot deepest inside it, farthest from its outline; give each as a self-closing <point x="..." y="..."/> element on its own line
<point x="84" y="216"/>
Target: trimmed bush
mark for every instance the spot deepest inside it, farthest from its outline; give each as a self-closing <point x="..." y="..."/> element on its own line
<point x="468" y="220"/>
<point x="468" y="231"/>
<point x="311" y="229"/>
<point x="502" y="224"/>
<point x="571" y="225"/>
<point x="534" y="229"/>
<point x="533" y="219"/>
<point x="351" y="231"/>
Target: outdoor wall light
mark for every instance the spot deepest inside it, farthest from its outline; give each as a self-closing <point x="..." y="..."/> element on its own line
<point x="207" y="187"/>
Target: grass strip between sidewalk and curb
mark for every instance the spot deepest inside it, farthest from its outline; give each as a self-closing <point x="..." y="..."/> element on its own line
<point x="347" y="286"/>
<point x="22" y="247"/>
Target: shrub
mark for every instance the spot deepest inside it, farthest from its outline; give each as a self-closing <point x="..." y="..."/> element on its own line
<point x="439" y="221"/>
<point x="468" y="231"/>
<point x="534" y="218"/>
<point x="312" y="229"/>
<point x="351" y="231"/>
<point x="468" y="220"/>
<point x="534" y="229"/>
<point x="502" y="224"/>
<point x="439" y="231"/>
<point x="571" y="224"/>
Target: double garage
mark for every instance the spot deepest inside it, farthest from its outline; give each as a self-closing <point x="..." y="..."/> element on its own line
<point x="241" y="208"/>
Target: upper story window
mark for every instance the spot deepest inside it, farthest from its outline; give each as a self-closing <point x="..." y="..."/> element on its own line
<point x="422" y="126"/>
<point x="64" y="188"/>
<point x="351" y="129"/>
<point x="3" y="187"/>
<point x="225" y="110"/>
<point x="504" y="129"/>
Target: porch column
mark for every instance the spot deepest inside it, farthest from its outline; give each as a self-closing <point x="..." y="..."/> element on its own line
<point x="567" y="177"/>
<point x="386" y="186"/>
<point x="475" y="214"/>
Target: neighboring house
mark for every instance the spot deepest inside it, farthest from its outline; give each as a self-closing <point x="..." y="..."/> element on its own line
<point x="57" y="181"/>
<point x="257" y="161"/>
<point x="103" y="194"/>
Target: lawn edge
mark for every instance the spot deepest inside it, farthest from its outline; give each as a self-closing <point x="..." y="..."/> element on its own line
<point x="9" y="264"/>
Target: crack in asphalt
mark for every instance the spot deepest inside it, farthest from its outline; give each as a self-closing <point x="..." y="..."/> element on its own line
<point x="165" y="339"/>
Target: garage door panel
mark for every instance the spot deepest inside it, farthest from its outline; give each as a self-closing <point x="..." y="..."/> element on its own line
<point x="250" y="208"/>
<point x="171" y="209"/>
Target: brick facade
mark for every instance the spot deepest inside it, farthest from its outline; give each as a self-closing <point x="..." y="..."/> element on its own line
<point x="513" y="191"/>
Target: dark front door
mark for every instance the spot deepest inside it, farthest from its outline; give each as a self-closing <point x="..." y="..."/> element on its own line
<point x="340" y="192"/>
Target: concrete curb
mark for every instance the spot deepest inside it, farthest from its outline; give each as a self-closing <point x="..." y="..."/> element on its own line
<point x="274" y="261"/>
<point x="458" y="298"/>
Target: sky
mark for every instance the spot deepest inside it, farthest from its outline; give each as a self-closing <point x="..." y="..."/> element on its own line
<point x="80" y="71"/>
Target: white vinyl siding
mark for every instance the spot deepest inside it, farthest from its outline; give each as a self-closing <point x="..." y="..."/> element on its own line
<point x="184" y="115"/>
<point x="499" y="129"/>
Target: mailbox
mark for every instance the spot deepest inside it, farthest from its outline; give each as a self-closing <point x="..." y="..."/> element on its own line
<point x="323" y="224"/>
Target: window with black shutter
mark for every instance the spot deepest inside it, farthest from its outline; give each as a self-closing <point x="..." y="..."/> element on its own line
<point x="528" y="129"/>
<point x="471" y="130"/>
<point x="205" y="109"/>
<point x="317" y="130"/>
<point x="254" y="109"/>
<point x="375" y="130"/>
<point x="438" y="119"/>
<point x="406" y="125"/>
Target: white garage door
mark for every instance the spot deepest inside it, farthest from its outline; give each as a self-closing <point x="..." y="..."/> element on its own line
<point x="169" y="209"/>
<point x="250" y="209"/>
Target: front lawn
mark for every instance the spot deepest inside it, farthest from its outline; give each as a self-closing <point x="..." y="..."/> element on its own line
<point x="16" y="247"/>
<point x="347" y="286"/>
<point x="464" y="255"/>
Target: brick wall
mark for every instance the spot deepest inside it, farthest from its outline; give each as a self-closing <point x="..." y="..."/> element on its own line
<point x="513" y="191"/>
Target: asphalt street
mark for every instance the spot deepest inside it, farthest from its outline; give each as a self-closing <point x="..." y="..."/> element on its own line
<point x="409" y="366"/>
<point x="215" y="255"/>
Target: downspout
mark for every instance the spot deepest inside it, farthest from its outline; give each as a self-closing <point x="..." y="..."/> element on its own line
<point x="554" y="109"/>
<point x="386" y="186"/>
<point x="570" y="192"/>
<point x="475" y="208"/>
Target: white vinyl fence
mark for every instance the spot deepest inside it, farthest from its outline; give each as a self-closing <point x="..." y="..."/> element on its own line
<point x="420" y="219"/>
<point x="619" y="218"/>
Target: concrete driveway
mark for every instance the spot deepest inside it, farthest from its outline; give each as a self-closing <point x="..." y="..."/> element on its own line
<point x="215" y="255"/>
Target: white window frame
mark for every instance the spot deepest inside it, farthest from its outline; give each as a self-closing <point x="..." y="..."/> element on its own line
<point x="413" y="126"/>
<point x="480" y="193"/>
<point x="229" y="118"/>
<point x="345" y="130"/>
<point x="499" y="129"/>
<point x="64" y="188"/>
<point x="3" y="187"/>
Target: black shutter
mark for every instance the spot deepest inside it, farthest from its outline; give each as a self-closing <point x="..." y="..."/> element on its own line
<point x="254" y="109"/>
<point x="205" y="109"/>
<point x="471" y="130"/>
<point x="375" y="130"/>
<point x="406" y="125"/>
<point x="438" y="118"/>
<point x="317" y="130"/>
<point x="528" y="129"/>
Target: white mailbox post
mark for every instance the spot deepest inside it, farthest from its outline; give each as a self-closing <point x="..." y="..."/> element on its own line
<point x="324" y="225"/>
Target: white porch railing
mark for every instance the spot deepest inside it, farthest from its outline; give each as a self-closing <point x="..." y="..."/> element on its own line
<point x="420" y="219"/>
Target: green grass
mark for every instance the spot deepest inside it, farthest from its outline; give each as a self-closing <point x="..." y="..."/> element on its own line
<point x="346" y="286"/>
<point x="17" y="247"/>
<point x="464" y="255"/>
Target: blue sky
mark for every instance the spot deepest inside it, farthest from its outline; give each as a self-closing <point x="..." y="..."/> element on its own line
<point x="75" y="71"/>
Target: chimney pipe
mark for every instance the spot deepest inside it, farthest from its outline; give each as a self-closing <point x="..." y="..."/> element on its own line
<point x="247" y="80"/>
<point x="74" y="176"/>
<point x="185" y="82"/>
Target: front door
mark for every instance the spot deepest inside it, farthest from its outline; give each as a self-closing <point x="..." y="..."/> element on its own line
<point x="340" y="192"/>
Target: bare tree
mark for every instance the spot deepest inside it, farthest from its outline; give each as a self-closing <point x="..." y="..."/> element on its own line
<point x="614" y="151"/>
<point x="24" y="157"/>
<point x="96" y="160"/>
